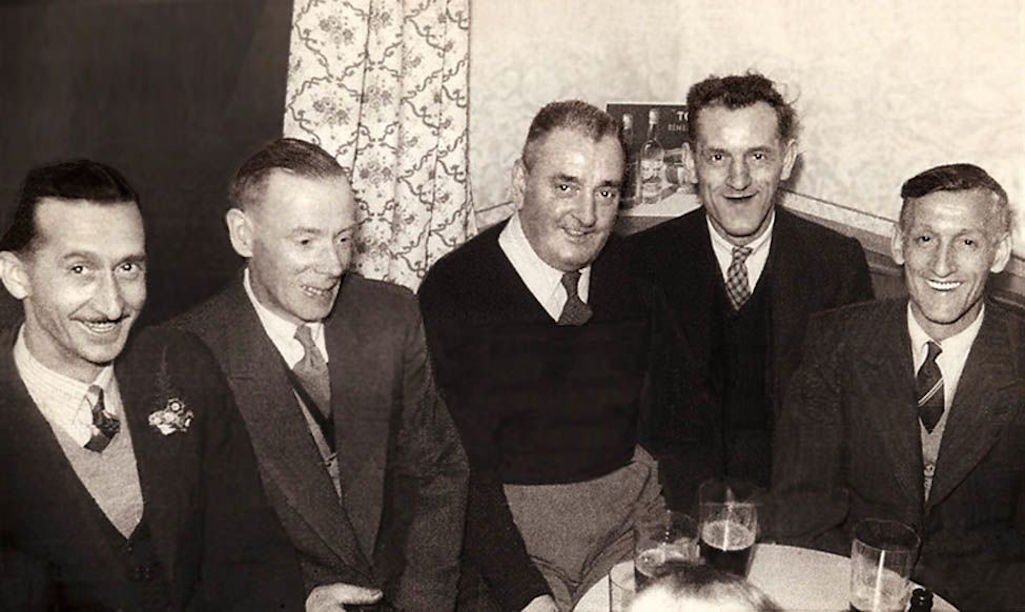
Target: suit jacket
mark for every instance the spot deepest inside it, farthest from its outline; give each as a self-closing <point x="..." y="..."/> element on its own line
<point x="476" y="288"/>
<point x="849" y="447"/>
<point x="214" y="534"/>
<point x="810" y="267"/>
<point x="402" y="469"/>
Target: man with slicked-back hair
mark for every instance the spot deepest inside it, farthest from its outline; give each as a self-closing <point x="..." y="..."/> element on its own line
<point x="914" y="409"/>
<point x="128" y="481"/>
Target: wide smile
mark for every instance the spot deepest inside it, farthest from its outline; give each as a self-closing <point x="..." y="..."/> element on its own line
<point x="575" y="234"/>
<point x="318" y="292"/>
<point x="741" y="198"/>
<point x="943" y="286"/>
<point x="104" y="328"/>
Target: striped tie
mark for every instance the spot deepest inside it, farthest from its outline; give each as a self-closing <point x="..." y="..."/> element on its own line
<point x="929" y="388"/>
<point x="736" y="278"/>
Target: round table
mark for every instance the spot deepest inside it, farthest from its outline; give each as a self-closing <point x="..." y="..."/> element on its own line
<point x="795" y="578"/>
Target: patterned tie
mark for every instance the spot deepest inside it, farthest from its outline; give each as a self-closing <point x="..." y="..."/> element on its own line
<point x="312" y="371"/>
<point x="736" y="278"/>
<point x="929" y="388"/>
<point x="575" y="312"/>
<point x="107" y="424"/>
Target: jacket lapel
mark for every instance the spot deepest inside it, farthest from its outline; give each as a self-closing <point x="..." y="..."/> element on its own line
<point x="789" y="299"/>
<point x="166" y="481"/>
<point x="986" y="398"/>
<point x="284" y="446"/>
<point x="888" y="375"/>
<point x="362" y="402"/>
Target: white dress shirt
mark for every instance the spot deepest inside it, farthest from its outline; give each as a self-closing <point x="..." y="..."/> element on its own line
<point x="282" y="331"/>
<point x="755" y="262"/>
<point x="61" y="399"/>
<point x="543" y="281"/>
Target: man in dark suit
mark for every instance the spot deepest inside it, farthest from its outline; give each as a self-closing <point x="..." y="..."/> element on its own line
<point x="546" y="349"/>
<point x="914" y="410"/>
<point x="743" y="275"/>
<point x="128" y="479"/>
<point x="357" y="452"/>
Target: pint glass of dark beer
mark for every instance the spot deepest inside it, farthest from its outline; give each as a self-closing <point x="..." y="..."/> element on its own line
<point x="728" y="525"/>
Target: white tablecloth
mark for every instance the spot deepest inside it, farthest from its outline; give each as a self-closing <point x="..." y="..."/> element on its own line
<point x="795" y="578"/>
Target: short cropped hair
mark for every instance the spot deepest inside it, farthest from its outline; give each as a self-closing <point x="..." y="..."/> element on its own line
<point x="708" y="584"/>
<point x="291" y="155"/>
<point x="739" y="91"/>
<point x="574" y="115"/>
<point x="955" y="177"/>
<point x="78" y="179"/>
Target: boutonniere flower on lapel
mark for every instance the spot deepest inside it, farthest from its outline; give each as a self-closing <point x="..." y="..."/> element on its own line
<point x="175" y="415"/>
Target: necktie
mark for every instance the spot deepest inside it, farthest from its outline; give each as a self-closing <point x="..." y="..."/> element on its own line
<point x="575" y="312"/>
<point x="736" y="278"/>
<point x="108" y="425"/>
<point x="312" y="371"/>
<point x="929" y="388"/>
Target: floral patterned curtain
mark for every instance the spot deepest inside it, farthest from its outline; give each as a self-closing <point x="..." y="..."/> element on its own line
<point x="382" y="85"/>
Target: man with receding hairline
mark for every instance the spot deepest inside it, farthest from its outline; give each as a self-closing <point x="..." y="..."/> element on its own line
<point x="357" y="451"/>
<point x="743" y="275"/>
<point x="914" y="409"/>
<point x="547" y="350"/>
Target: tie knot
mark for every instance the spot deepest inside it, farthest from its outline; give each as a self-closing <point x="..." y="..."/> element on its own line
<point x="741" y="253"/>
<point x="304" y="335"/>
<point x="934" y="351"/>
<point x="569" y="282"/>
<point x="94" y="396"/>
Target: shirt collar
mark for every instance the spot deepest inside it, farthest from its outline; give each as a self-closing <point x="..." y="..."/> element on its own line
<point x="62" y="399"/>
<point x="958" y="344"/>
<point x="281" y="331"/>
<point x="543" y="280"/>
<point x="762" y="242"/>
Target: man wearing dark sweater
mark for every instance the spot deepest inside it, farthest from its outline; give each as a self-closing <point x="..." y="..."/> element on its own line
<point x="545" y="348"/>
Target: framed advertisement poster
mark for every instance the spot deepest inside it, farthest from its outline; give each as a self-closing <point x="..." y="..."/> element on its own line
<point x="654" y="134"/>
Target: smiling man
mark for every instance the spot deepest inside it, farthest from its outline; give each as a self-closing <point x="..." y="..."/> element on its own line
<point x="357" y="452"/>
<point x="914" y="410"/>
<point x="743" y="275"/>
<point x="544" y="346"/>
<point x="128" y="479"/>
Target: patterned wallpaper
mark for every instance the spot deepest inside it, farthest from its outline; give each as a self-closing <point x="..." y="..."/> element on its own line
<point x="884" y="88"/>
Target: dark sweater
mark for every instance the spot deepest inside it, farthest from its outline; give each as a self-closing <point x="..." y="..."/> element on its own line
<point x="536" y="403"/>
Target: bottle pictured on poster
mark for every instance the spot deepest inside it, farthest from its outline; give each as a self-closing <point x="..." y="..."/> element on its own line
<point x="628" y="192"/>
<point x="652" y="162"/>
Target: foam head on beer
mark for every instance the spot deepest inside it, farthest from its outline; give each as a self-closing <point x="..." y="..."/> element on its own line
<point x="699" y="588"/>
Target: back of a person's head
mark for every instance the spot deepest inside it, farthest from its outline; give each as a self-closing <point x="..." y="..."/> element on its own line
<point x="697" y="588"/>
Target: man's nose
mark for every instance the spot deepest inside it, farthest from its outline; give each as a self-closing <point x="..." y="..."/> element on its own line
<point x="586" y="210"/>
<point x="332" y="260"/>
<point x="944" y="262"/>
<point x="739" y="177"/>
<point x="109" y="300"/>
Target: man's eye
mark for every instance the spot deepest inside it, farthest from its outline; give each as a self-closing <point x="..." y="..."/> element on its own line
<point x="923" y="239"/>
<point x="716" y="157"/>
<point x="759" y="156"/>
<point x="564" y="187"/>
<point x="77" y="269"/>
<point x="304" y="242"/>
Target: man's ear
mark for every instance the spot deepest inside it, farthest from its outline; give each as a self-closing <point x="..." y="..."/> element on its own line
<point x="897" y="245"/>
<point x="519" y="182"/>
<point x="789" y="159"/>
<point x="240" y="231"/>
<point x="14" y="276"/>
<point x="689" y="166"/>
<point x="1002" y="254"/>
